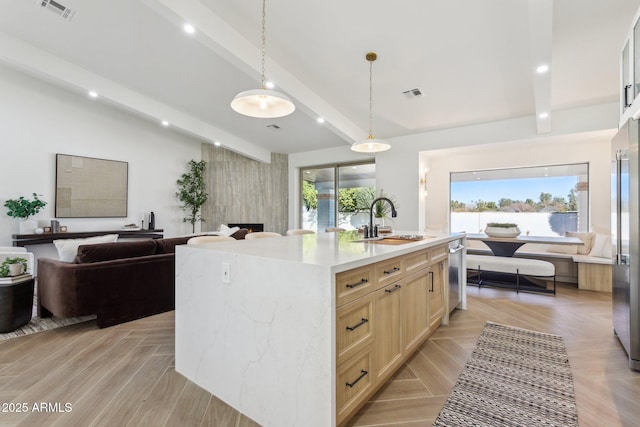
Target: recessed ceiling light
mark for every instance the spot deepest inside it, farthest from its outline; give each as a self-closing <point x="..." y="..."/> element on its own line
<point x="543" y="115"/>
<point x="320" y="120"/>
<point x="93" y="94"/>
<point x="165" y="123"/>
<point x="217" y="144"/>
<point x="189" y="29"/>
<point x="542" y="69"/>
<point x="354" y="167"/>
<point x="269" y="85"/>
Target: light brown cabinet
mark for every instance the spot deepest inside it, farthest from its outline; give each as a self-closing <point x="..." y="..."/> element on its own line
<point x="384" y="312"/>
<point x="436" y="294"/>
<point x="388" y="342"/>
<point x="416" y="302"/>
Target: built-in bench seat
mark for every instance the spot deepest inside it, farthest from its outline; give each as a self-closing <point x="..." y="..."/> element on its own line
<point x="511" y="265"/>
<point x="592" y="273"/>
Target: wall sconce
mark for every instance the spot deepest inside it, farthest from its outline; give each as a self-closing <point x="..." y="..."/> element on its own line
<point x="423" y="182"/>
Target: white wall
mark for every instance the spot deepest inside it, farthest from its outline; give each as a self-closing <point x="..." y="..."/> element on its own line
<point x="38" y="120"/>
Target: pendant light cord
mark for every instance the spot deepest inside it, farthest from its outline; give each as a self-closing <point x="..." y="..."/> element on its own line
<point x="263" y="40"/>
<point x="370" y="99"/>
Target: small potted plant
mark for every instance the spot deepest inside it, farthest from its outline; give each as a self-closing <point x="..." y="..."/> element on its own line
<point x="502" y="229"/>
<point x="13" y="267"/>
<point x="22" y="208"/>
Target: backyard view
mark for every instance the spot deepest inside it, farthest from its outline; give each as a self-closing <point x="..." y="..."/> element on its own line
<point x="544" y="201"/>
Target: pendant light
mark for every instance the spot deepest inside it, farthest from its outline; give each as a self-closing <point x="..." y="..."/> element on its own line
<point x="370" y="144"/>
<point x="263" y="102"/>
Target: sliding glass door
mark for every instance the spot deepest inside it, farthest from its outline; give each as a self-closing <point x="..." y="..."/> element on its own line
<point x="336" y="195"/>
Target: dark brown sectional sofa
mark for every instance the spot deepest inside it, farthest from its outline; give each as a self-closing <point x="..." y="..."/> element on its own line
<point x="118" y="282"/>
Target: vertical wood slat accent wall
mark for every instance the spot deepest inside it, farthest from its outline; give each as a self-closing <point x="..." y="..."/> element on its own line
<point x="245" y="190"/>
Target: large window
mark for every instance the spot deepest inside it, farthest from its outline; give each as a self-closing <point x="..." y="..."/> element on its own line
<point x="337" y="195"/>
<point x="541" y="200"/>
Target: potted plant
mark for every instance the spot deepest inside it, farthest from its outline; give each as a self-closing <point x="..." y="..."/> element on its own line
<point x="13" y="267"/>
<point x="502" y="229"/>
<point x="192" y="192"/>
<point x="22" y="208"/>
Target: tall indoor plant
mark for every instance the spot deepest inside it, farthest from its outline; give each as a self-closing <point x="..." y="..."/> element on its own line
<point x="192" y="192"/>
<point x="22" y="208"/>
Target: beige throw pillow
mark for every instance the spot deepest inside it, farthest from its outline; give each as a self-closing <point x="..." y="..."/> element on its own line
<point x="587" y="238"/>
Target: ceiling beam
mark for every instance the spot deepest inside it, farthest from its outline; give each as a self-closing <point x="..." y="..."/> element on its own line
<point x="227" y="42"/>
<point x="541" y="38"/>
<point x="39" y="63"/>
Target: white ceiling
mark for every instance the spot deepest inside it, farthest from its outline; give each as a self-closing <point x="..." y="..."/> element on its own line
<point x="473" y="60"/>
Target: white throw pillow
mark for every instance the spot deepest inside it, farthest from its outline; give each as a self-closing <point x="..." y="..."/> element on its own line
<point x="601" y="246"/>
<point x="226" y="231"/>
<point x="68" y="248"/>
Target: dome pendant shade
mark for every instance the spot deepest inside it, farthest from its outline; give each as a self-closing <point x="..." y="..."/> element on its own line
<point x="262" y="103"/>
<point x="370" y="145"/>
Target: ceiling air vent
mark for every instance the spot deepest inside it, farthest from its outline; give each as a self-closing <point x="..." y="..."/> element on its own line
<point x="273" y="126"/>
<point x="412" y="93"/>
<point x="58" y="8"/>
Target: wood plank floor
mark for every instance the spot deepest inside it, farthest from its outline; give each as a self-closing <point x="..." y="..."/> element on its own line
<point x="124" y="375"/>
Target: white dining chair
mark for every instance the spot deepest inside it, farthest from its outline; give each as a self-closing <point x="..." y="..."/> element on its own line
<point x="203" y="240"/>
<point x="261" y="235"/>
<point x="296" y="231"/>
<point x="334" y="229"/>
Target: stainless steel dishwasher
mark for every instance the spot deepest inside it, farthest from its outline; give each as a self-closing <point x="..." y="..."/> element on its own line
<point x="457" y="251"/>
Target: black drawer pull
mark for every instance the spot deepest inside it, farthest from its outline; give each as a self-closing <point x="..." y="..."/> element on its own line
<point x="353" y="328"/>
<point x="361" y="282"/>
<point x="395" y="288"/>
<point x="431" y="274"/>
<point x="362" y="374"/>
<point x="393" y="270"/>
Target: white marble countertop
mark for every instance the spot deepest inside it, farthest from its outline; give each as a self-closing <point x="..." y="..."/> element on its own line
<point x="256" y="320"/>
<point x="339" y="251"/>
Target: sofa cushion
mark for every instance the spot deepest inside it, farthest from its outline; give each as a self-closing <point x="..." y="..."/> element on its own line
<point x="168" y="246"/>
<point x="110" y="251"/>
<point x="68" y="248"/>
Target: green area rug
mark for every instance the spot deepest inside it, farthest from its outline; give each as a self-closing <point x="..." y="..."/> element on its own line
<point x="514" y="377"/>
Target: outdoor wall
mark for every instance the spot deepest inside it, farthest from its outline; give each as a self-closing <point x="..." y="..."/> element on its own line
<point x="39" y="120"/>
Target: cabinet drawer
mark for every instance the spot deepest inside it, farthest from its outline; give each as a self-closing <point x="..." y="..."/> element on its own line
<point x="353" y="284"/>
<point x="416" y="261"/>
<point x="354" y="379"/>
<point x="389" y="271"/>
<point x="439" y="253"/>
<point x="354" y="326"/>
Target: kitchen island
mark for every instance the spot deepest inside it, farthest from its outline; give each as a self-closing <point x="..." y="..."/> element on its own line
<point x="301" y="330"/>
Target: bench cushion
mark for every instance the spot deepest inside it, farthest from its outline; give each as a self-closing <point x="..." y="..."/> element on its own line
<point x="524" y="266"/>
